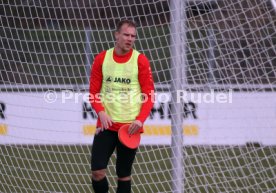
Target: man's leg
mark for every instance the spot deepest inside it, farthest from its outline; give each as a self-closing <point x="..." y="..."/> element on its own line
<point x="103" y="146"/>
<point x="125" y="159"/>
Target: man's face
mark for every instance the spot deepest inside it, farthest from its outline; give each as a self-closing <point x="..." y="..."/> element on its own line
<point x="125" y="38"/>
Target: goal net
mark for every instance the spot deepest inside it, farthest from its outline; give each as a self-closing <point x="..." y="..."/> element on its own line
<point x="212" y="128"/>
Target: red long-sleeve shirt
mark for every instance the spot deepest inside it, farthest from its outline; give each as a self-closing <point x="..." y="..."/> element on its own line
<point x="144" y="77"/>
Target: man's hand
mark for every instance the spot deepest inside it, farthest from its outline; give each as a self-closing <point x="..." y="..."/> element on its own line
<point x="106" y="121"/>
<point x="134" y="127"/>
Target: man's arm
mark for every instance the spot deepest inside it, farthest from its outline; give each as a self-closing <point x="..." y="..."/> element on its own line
<point x="95" y="89"/>
<point x="96" y="78"/>
<point x="147" y="87"/>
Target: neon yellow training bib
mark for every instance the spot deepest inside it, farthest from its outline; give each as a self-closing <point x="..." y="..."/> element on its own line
<point x="121" y="92"/>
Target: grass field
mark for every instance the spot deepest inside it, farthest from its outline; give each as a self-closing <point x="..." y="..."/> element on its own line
<point x="60" y="169"/>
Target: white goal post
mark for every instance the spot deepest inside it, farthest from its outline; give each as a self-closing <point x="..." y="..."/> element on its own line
<point x="212" y="128"/>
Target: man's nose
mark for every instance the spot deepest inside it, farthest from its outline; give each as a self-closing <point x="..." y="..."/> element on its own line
<point x="129" y="38"/>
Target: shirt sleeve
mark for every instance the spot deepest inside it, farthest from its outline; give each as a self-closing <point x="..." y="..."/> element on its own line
<point x="96" y="78"/>
<point x="147" y="87"/>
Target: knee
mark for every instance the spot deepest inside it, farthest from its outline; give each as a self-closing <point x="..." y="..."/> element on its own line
<point x="98" y="175"/>
<point x="127" y="178"/>
<point x="123" y="172"/>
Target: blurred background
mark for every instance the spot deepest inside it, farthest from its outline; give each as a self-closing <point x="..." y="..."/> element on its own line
<point x="220" y="47"/>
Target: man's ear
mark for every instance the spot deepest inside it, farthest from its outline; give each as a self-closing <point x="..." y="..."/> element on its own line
<point x="116" y="35"/>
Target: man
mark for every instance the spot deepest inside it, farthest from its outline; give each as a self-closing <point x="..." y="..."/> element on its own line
<point x="115" y="72"/>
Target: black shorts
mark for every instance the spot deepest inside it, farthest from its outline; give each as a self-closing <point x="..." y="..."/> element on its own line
<point x="104" y="145"/>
